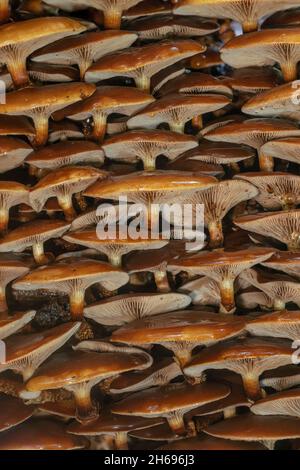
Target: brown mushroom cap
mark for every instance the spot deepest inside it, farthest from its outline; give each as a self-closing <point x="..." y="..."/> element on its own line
<point x="50" y="73"/>
<point x="254" y="79"/>
<point x="284" y="261"/>
<point x="266" y="47"/>
<point x="282" y="19"/>
<point x="211" y="443"/>
<point x="285" y="149"/>
<point x="10" y="324"/>
<point x="122" y="309"/>
<point x="282" y="324"/>
<point x="193" y="83"/>
<point x="147" y="8"/>
<point x="206" y="60"/>
<point x="84" y="49"/>
<point x="283" y="403"/>
<point x="41" y="434"/>
<point x="10" y="269"/>
<point x="15" y="125"/>
<point x="12" y="153"/>
<point x="13" y="412"/>
<point x="141" y="63"/>
<point x="64" y="130"/>
<point x="64" y="153"/>
<point x="235" y="399"/>
<point x="221" y="153"/>
<point x="281" y="378"/>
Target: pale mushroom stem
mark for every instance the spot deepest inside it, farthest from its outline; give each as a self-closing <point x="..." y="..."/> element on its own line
<point x="41" y="125"/>
<point x="278" y="305"/>
<point x="266" y="163"/>
<point x="18" y="71"/>
<point x="115" y="259"/>
<point x="269" y="444"/>
<point x="197" y="122"/>
<point x="252" y="387"/>
<point x="4" y="218"/>
<point x="229" y="412"/>
<point x="143" y="83"/>
<point x="38" y="253"/>
<point x="227" y="296"/>
<point x="176" y="423"/>
<point x="178" y="127"/>
<point x="249" y="26"/>
<point x="121" y="441"/>
<point x="86" y="410"/>
<point x="112" y="19"/>
<point x="215" y="234"/>
<point x="4" y="11"/>
<point x="161" y="281"/>
<point x="289" y="71"/>
<point x="65" y="202"/>
<point x="3" y="303"/>
<point x="77" y="303"/>
<point x="99" y="128"/>
<point x="149" y="162"/>
<point x="83" y="65"/>
<point x="294" y="244"/>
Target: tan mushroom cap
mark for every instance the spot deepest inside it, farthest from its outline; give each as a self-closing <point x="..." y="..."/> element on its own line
<point x="245" y="12"/>
<point x="193" y="83"/>
<point x="266" y="47"/>
<point x="75" y="367"/>
<point x="254" y="79"/>
<point x="186" y="326"/>
<point x="18" y="41"/>
<point x="283" y="226"/>
<point x="39" y="103"/>
<point x="283" y="403"/>
<point x="122" y="309"/>
<point x="41" y="434"/>
<point x="147" y="145"/>
<point x="176" y="110"/>
<point x="256" y="428"/>
<point x="10" y="324"/>
<point x="285" y="149"/>
<point x="12" y="153"/>
<point x="285" y="261"/>
<point x="64" y="153"/>
<point x="84" y="49"/>
<point x="211" y="443"/>
<point x="281" y="324"/>
<point x="149" y="182"/>
<point x="13" y="412"/>
<point x="141" y="63"/>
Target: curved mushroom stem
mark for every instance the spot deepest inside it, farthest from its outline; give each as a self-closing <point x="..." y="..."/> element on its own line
<point x="4" y="11"/>
<point x="177" y="127"/>
<point x="86" y="410"/>
<point x="65" y="202"/>
<point x="252" y="387"/>
<point x="4" y="218"/>
<point x="249" y="26"/>
<point x="18" y="71"/>
<point x="266" y="163"/>
<point x="121" y="441"/>
<point x="161" y="281"/>
<point x="143" y="83"/>
<point x="215" y="234"/>
<point x="77" y="303"/>
<point x="197" y="122"/>
<point x="176" y="422"/>
<point x="38" y="253"/>
<point x="289" y="70"/>
<point x="112" y="19"/>
<point x="227" y="296"/>
<point x="3" y="303"/>
<point x="41" y="125"/>
<point x="99" y="128"/>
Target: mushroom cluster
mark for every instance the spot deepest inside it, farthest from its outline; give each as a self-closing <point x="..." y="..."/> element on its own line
<point x="115" y="115"/>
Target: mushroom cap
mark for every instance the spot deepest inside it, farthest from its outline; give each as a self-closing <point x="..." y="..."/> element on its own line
<point x="285" y="148"/>
<point x="32" y="232"/>
<point x="12" y="153"/>
<point x="211" y="443"/>
<point x="282" y="19"/>
<point x="13" y="193"/>
<point x="41" y="72"/>
<point x="59" y="276"/>
<point x="121" y="309"/>
<point x="177" y="107"/>
<point x="282" y="403"/>
<point x="73" y="179"/>
<point x="254" y="79"/>
<point x="147" y="8"/>
<point x="159" y="433"/>
<point x="64" y="130"/>
<point x="262" y="47"/>
<point x="149" y="182"/>
<point x="191" y="326"/>
<point x="13" y="412"/>
<point x="236" y="398"/>
<point x="75" y="367"/>
<point x="193" y="83"/>
<point x="41" y="434"/>
<point x="19" y="347"/>
<point x="160" y="401"/>
<point x="109" y="423"/>
<point x="63" y="408"/>
<point x="285" y="261"/>
<point x="11" y="269"/>
<point x="256" y="428"/>
<point x="282" y="378"/>
<point x="66" y="153"/>
<point x="49" y="98"/>
<point x="207" y="59"/>
<point x="246" y="349"/>
<point x="281" y="324"/>
<point x="16" y="125"/>
<point x="152" y="58"/>
<point x="96" y="43"/>
<point x="15" y="322"/>
<point x="222" y="153"/>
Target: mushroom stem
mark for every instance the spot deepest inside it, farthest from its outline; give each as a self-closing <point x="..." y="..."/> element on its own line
<point x="269" y="444"/>
<point x="4" y="11"/>
<point x="249" y="26"/>
<point x="3" y="303"/>
<point x="4" y="218"/>
<point x="143" y="82"/>
<point x="86" y="410"/>
<point x="83" y="65"/>
<point x="161" y="281"/>
<point x="41" y="125"/>
<point x="38" y="253"/>
<point x="121" y="441"/>
<point x="115" y="259"/>
<point x="27" y="372"/>
<point x="99" y="129"/>
<point x="278" y="305"/>
<point x="177" y="127"/>
<point x="149" y="162"/>
<point x="17" y="69"/>
<point x="65" y="202"/>
<point x="77" y="304"/>
<point x="197" y="122"/>
<point x="112" y="19"/>
<point x="289" y="71"/>
<point x="176" y="422"/>
<point x="229" y="412"/>
<point x="215" y="234"/>
<point x="294" y="244"/>
<point x="252" y="387"/>
<point x="266" y="163"/>
<point x="227" y="296"/>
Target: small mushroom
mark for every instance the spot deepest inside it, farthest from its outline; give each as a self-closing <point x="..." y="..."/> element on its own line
<point x="33" y="234"/>
<point x="10" y="269"/>
<point x="172" y="402"/>
<point x="12" y="153"/>
<point x="84" y="49"/>
<point x="40" y="102"/>
<point x="11" y="194"/>
<point x="249" y="357"/>
<point x="141" y="63"/>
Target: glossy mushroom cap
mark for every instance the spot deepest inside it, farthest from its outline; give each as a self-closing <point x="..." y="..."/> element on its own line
<point x="285" y="403"/>
<point x="193" y="83"/>
<point x="212" y="444"/>
<point x="12" y="153"/>
<point x="282" y="324"/>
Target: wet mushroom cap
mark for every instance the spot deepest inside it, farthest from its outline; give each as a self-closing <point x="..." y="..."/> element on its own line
<point x="16" y="125"/>
<point x="147" y="8"/>
<point x="195" y="82"/>
<point x="13" y="412"/>
<point x="211" y="443"/>
<point x="12" y="153"/>
<point x="282" y="403"/>
<point x="220" y="153"/>
<point x="282" y="324"/>
<point x="15" y="322"/>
